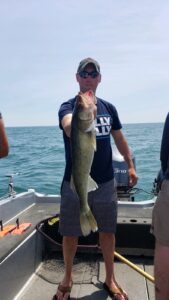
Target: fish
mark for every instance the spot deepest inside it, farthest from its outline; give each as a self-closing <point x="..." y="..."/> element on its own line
<point x="83" y="147"/>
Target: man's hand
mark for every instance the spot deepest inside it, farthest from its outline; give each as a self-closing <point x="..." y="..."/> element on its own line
<point x="132" y="177"/>
<point x="66" y="124"/>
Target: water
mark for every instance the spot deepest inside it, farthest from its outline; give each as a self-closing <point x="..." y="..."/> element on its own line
<point x="37" y="154"/>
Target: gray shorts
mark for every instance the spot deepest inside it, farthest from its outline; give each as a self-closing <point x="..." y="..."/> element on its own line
<point x="103" y="203"/>
<point x="160" y="219"/>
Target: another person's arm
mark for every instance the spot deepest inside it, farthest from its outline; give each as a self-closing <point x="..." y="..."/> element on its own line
<point x="123" y="148"/>
<point x="164" y="155"/>
<point x="4" y="147"/>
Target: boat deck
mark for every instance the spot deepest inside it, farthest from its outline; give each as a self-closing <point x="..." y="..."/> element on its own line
<point x="88" y="280"/>
<point x="88" y="272"/>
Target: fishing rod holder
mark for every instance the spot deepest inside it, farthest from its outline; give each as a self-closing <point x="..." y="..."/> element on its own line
<point x="11" y="191"/>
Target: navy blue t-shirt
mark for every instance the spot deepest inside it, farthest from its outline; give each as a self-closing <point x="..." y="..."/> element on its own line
<point x="106" y="120"/>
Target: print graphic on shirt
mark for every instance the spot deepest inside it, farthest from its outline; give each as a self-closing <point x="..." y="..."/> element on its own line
<point x="103" y="126"/>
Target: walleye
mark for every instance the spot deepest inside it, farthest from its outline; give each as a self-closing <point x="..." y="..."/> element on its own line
<point x="83" y="145"/>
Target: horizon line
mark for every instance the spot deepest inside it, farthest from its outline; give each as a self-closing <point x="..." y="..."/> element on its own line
<point x="17" y="126"/>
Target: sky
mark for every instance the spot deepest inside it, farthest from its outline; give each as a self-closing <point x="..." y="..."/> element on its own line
<point x="42" y="43"/>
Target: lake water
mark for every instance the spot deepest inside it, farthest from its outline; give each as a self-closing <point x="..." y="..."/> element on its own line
<point x="37" y="156"/>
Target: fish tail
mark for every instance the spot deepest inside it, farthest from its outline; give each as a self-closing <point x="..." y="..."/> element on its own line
<point x="92" y="221"/>
<point x="88" y="223"/>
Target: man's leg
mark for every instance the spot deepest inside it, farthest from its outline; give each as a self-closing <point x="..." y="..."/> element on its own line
<point x="161" y="271"/>
<point x="69" y="251"/>
<point x="107" y="243"/>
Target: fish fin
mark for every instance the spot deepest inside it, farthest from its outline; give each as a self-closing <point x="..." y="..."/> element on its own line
<point x="94" y="142"/>
<point x="88" y="223"/>
<point x="72" y="186"/>
<point x="91" y="127"/>
<point x="92" y="185"/>
<point x="92" y="221"/>
<point x="84" y="224"/>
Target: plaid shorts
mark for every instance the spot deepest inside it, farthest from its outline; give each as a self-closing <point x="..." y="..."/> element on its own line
<point x="160" y="219"/>
<point x="103" y="204"/>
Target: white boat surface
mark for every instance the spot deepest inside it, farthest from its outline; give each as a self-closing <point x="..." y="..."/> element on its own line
<point x="31" y="264"/>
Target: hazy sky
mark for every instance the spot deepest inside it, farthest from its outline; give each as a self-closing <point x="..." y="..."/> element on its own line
<point x="42" y="42"/>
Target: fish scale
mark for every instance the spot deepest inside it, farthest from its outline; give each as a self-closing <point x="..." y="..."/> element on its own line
<point x="83" y="146"/>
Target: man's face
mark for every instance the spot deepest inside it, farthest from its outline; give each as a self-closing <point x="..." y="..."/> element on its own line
<point x="88" y="81"/>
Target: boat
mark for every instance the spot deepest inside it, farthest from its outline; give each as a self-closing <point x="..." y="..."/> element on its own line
<point x="31" y="262"/>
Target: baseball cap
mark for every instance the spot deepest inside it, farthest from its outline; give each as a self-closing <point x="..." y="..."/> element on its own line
<point x="87" y="61"/>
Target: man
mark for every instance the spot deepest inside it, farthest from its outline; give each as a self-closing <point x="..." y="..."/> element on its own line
<point x="104" y="199"/>
<point x="160" y="223"/>
<point x="4" y="148"/>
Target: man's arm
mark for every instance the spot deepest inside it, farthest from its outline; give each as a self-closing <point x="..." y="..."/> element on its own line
<point x="66" y="124"/>
<point x="4" y="147"/>
<point x="123" y="148"/>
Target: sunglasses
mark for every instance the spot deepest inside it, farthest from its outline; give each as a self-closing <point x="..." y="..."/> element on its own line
<point x="85" y="74"/>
